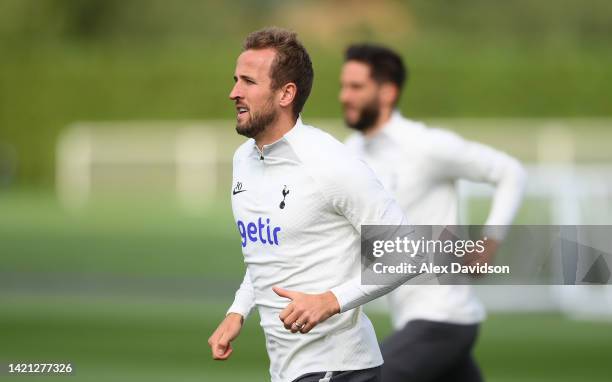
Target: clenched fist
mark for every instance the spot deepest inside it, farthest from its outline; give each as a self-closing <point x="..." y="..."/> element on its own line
<point x="226" y="332"/>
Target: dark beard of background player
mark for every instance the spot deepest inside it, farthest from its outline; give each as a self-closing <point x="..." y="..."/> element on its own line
<point x="258" y="121"/>
<point x="367" y="117"/>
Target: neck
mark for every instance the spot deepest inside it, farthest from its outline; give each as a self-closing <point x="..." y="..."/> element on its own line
<point x="276" y="130"/>
<point x="383" y="118"/>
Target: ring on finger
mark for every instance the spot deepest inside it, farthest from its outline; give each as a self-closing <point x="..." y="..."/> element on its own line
<point x="297" y="325"/>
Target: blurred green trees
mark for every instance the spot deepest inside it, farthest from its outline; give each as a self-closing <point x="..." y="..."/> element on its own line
<point x="68" y="60"/>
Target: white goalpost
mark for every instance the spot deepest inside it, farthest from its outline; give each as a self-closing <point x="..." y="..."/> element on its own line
<point x="137" y="158"/>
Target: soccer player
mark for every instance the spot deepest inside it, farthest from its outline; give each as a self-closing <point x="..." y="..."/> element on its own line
<point x="299" y="199"/>
<point x="435" y="325"/>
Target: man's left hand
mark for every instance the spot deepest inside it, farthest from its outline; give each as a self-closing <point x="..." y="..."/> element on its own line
<point x="306" y="310"/>
<point x="485" y="257"/>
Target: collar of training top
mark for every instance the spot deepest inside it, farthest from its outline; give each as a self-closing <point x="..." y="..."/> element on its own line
<point x="281" y="148"/>
<point x="394" y="120"/>
<point x="383" y="135"/>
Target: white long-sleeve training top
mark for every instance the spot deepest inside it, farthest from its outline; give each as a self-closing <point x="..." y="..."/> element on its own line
<point x="420" y="166"/>
<point x="299" y="204"/>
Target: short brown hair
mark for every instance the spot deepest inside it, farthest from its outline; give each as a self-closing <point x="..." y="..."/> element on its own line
<point x="385" y="64"/>
<point x="291" y="64"/>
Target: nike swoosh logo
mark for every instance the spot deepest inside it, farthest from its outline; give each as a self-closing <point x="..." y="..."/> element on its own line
<point x="234" y="192"/>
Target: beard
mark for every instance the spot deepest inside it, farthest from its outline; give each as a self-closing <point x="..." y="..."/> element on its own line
<point x="368" y="116"/>
<point x="258" y="122"/>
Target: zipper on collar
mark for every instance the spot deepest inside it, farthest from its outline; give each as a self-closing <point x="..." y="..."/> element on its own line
<point x="260" y="152"/>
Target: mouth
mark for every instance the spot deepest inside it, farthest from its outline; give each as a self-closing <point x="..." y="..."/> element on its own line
<point x="350" y="110"/>
<point x="348" y="107"/>
<point x="241" y="109"/>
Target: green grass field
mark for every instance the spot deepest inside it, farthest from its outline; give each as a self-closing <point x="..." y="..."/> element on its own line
<point x="132" y="292"/>
<point x="155" y="340"/>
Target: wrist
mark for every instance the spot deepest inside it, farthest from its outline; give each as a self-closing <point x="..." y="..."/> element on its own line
<point x="332" y="302"/>
<point x="232" y="316"/>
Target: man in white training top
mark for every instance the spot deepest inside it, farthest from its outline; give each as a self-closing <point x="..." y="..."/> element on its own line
<point x="435" y="325"/>
<point x="299" y="199"/>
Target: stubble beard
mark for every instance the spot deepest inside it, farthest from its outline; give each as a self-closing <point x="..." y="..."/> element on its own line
<point x="367" y="117"/>
<point x="258" y="122"/>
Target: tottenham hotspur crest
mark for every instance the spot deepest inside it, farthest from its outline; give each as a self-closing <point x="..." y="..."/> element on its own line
<point x="285" y="192"/>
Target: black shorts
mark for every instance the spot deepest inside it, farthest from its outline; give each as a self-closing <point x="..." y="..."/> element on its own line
<point x="428" y="351"/>
<point x="364" y="375"/>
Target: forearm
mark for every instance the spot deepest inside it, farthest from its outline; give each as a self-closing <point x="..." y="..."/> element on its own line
<point x="507" y="199"/>
<point x="244" y="299"/>
<point x="352" y="294"/>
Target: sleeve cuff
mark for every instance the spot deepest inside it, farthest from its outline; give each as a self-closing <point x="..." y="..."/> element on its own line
<point x="345" y="294"/>
<point x="495" y="232"/>
<point x="236" y="308"/>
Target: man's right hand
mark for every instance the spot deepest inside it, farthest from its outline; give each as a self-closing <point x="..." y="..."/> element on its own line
<point x="226" y="332"/>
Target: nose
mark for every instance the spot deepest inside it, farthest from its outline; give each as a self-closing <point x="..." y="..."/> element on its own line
<point x="343" y="96"/>
<point x="236" y="92"/>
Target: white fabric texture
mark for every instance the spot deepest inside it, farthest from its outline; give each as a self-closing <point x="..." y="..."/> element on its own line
<point x="420" y="166"/>
<point x="310" y="245"/>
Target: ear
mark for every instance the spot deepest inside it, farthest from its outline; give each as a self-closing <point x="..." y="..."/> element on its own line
<point x="287" y="94"/>
<point x="388" y="93"/>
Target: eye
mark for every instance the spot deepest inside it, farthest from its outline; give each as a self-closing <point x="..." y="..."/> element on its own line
<point x="249" y="81"/>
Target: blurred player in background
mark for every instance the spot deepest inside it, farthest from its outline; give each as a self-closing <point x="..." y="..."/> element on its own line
<point x="435" y="326"/>
<point x="299" y="199"/>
